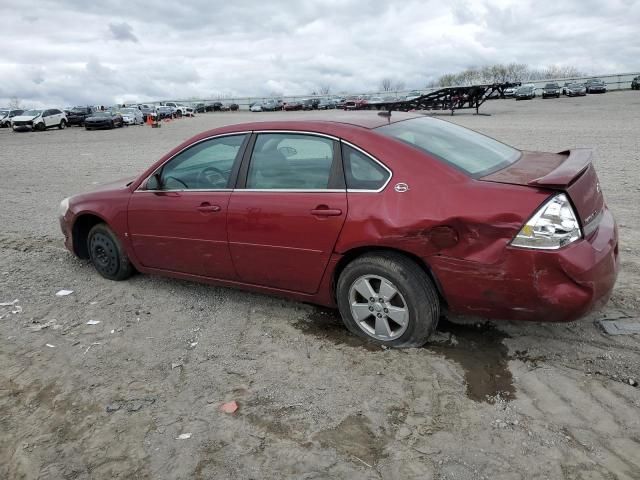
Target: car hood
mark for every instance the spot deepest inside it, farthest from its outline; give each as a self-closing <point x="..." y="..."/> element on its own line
<point x="119" y="184"/>
<point x="98" y="119"/>
<point x="24" y="118"/>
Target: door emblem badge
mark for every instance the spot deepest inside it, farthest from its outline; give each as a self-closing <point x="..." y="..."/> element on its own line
<point x="401" y="187"/>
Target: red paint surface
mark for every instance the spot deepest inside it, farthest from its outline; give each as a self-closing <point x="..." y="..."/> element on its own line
<point x="459" y="228"/>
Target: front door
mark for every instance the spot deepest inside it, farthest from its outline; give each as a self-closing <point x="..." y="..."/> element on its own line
<point x="177" y="219"/>
<point x="287" y="212"/>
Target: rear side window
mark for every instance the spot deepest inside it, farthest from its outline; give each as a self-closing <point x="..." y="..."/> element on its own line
<point x="473" y="153"/>
<point x="361" y="171"/>
<point x="287" y="161"/>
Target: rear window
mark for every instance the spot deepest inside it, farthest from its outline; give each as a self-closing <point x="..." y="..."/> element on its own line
<point x="473" y="153"/>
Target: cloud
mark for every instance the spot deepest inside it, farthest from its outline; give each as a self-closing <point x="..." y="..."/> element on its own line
<point x="64" y="52"/>
<point x="122" y="32"/>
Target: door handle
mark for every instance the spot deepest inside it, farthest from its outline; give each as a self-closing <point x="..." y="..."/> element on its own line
<point x="324" y="211"/>
<point x="208" y="208"/>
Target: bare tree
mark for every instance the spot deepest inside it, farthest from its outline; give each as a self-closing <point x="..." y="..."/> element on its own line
<point x="386" y="85"/>
<point x="15" y="103"/>
<point x="399" y="86"/>
<point x="325" y="89"/>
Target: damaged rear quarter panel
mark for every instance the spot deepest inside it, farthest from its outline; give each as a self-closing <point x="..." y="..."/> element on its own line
<point x="460" y="227"/>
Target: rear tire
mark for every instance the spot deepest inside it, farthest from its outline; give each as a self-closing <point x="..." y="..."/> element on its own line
<point x="405" y="308"/>
<point x="107" y="255"/>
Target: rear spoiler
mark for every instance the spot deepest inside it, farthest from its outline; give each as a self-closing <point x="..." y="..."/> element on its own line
<point x="576" y="164"/>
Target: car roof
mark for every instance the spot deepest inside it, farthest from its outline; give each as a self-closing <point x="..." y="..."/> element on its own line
<point x="331" y="123"/>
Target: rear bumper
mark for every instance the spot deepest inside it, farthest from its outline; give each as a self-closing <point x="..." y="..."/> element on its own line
<point x="550" y="286"/>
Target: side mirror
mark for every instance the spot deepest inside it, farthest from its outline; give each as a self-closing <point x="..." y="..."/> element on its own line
<point x="154" y="182"/>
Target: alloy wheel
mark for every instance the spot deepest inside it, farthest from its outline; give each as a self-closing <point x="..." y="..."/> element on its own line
<point x="378" y="307"/>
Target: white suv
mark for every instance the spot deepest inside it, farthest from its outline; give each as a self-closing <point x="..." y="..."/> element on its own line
<point x="179" y="109"/>
<point x="40" y="119"/>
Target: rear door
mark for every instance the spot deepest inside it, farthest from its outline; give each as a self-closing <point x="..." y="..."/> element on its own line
<point x="177" y="220"/>
<point x="287" y="210"/>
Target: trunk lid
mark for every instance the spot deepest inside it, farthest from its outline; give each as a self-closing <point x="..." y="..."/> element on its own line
<point x="571" y="171"/>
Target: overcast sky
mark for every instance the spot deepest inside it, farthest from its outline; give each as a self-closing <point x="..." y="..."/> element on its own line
<point x="68" y="52"/>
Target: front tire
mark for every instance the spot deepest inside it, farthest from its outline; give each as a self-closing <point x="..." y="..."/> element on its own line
<point x="388" y="299"/>
<point x="62" y="125"/>
<point x="40" y="127"/>
<point x="107" y="255"/>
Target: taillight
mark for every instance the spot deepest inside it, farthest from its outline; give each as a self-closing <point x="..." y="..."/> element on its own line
<point x="553" y="226"/>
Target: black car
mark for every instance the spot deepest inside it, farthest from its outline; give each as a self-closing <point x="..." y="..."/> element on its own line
<point x="525" y="93"/>
<point x="595" y="85"/>
<point x="77" y="115"/>
<point x="326" y="104"/>
<point x="105" y="119"/>
<point x="213" y="107"/>
<point x="635" y="83"/>
<point x="551" y="90"/>
<point x="163" y="112"/>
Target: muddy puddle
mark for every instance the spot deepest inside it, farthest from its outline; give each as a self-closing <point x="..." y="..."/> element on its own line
<point x="477" y="348"/>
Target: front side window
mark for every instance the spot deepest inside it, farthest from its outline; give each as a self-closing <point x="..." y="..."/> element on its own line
<point x="362" y="172"/>
<point x="290" y="161"/>
<point x="473" y="153"/>
<point x="205" y="166"/>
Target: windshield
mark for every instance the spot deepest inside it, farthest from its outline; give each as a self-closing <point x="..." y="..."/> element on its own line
<point x="469" y="151"/>
<point x="102" y="114"/>
<point x="3" y="113"/>
<point x="551" y="85"/>
<point x="128" y="110"/>
<point x="32" y="113"/>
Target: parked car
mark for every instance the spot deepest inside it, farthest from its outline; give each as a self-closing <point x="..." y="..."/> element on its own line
<point x="131" y="116"/>
<point x="39" y="120"/>
<point x="326" y="104"/>
<point x="269" y="106"/>
<point x="575" y="90"/>
<point x="179" y="110"/>
<point x="288" y="106"/>
<point x="526" y="92"/>
<point x="234" y="107"/>
<point x="76" y="115"/>
<point x="165" y="111"/>
<point x="635" y="83"/>
<point x="523" y="236"/>
<point x="6" y="114"/>
<point x="551" y="90"/>
<point x="511" y="91"/>
<point x="595" y="85"/>
<point x="103" y="119"/>
<point x="339" y="101"/>
<point x="147" y="111"/>
<point x="413" y="95"/>
<point x="356" y="103"/>
<point x="255" y="107"/>
<point x="213" y="107"/>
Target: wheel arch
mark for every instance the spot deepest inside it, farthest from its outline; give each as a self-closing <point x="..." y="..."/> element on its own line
<point x="80" y="231"/>
<point x="351" y="255"/>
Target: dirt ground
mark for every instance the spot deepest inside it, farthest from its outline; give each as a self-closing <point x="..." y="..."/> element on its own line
<point x="484" y="400"/>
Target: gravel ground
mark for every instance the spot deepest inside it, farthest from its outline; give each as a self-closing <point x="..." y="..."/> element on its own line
<point x="485" y="399"/>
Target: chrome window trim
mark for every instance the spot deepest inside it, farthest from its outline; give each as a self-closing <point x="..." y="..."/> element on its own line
<point x="231" y="134"/>
<point x="357" y="190"/>
<point x="301" y="132"/>
<point x="291" y="190"/>
<point x="187" y="190"/>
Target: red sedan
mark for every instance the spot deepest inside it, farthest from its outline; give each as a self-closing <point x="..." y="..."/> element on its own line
<point x="388" y="218"/>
